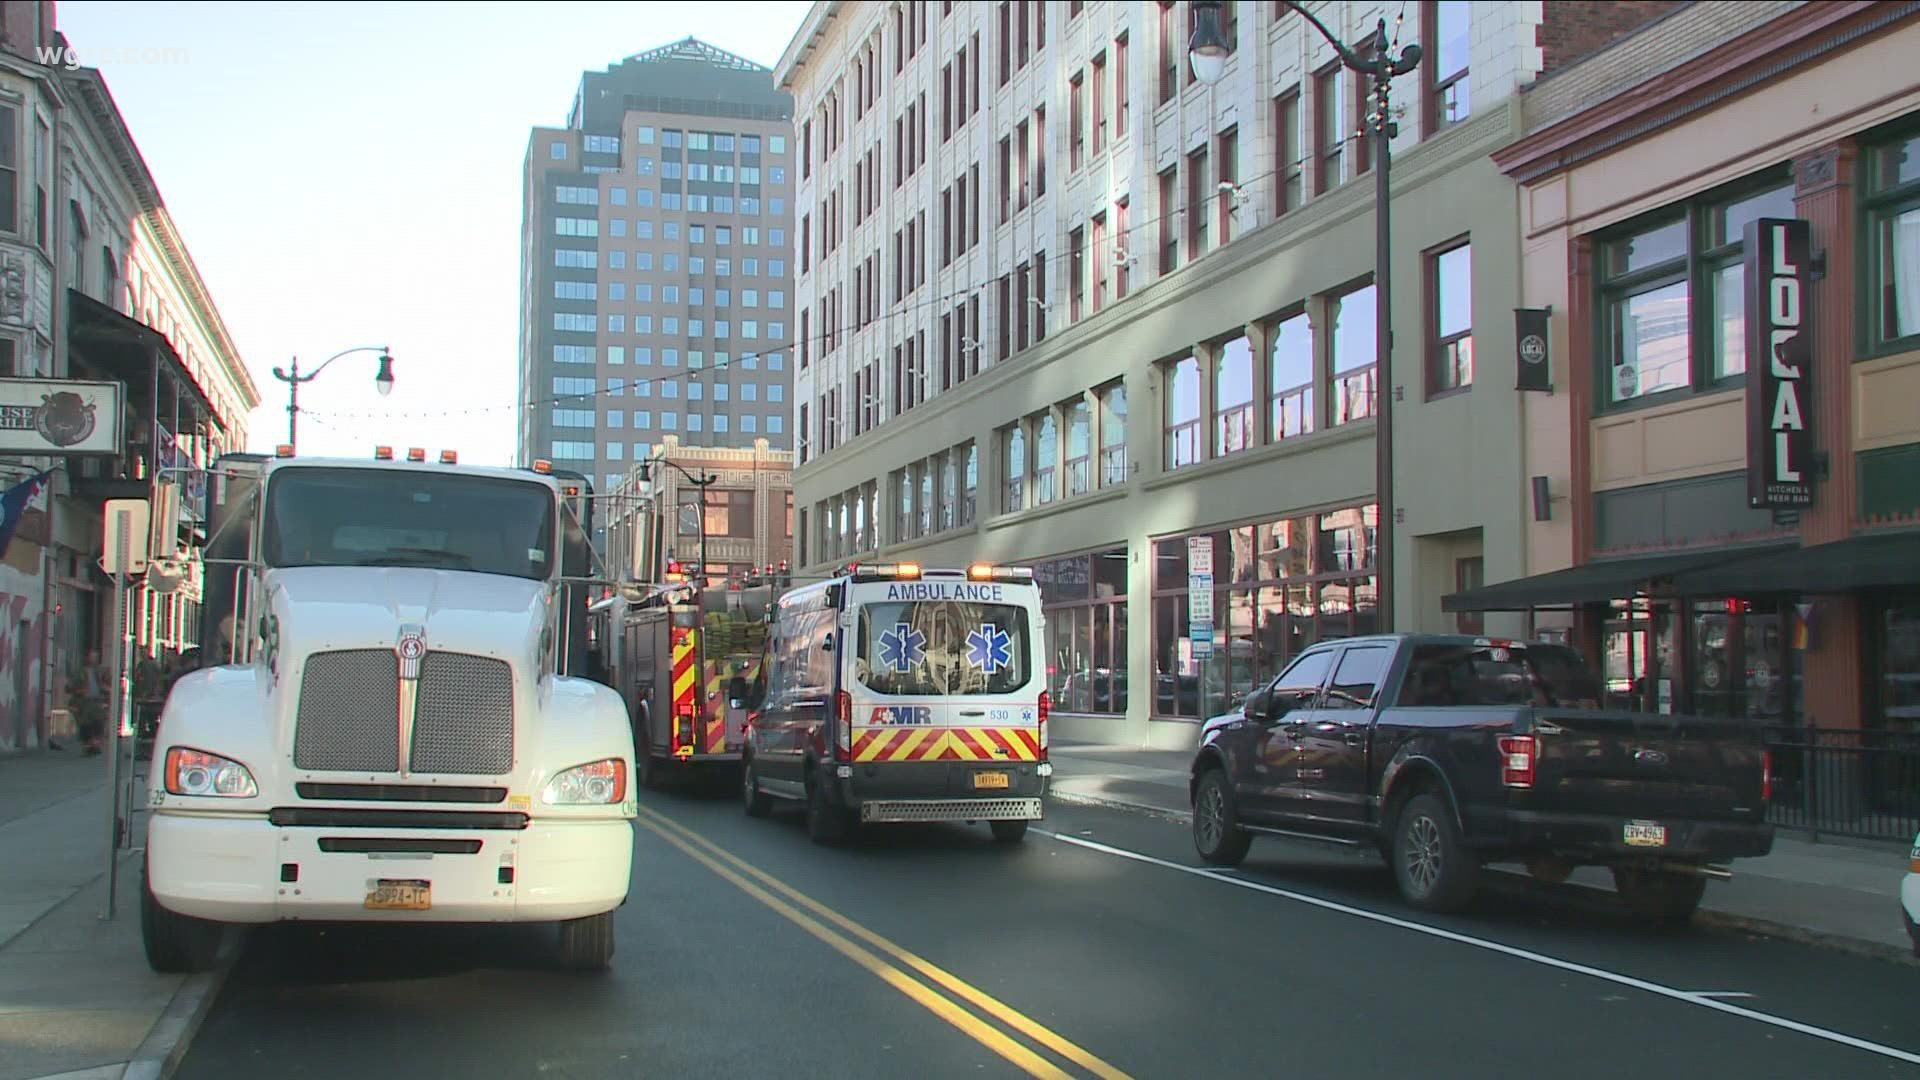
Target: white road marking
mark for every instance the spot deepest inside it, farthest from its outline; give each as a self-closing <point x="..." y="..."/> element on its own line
<point x="1705" y="1000"/>
<point x="1716" y="993"/>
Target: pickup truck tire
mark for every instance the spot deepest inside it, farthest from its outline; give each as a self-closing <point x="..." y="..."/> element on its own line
<point x="1431" y="863"/>
<point x="827" y="824"/>
<point x="175" y="944"/>
<point x="757" y="803"/>
<point x="1217" y="834"/>
<point x="1662" y="898"/>
<point x="587" y="944"/>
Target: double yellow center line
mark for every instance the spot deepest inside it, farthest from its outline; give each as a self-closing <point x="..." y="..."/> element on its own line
<point x="889" y="962"/>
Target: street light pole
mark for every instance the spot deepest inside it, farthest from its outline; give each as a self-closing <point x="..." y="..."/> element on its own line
<point x="1207" y="53"/>
<point x="383" y="382"/>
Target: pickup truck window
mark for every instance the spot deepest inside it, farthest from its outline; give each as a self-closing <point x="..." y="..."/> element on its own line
<point x="1356" y="680"/>
<point x="1489" y="675"/>
<point x="1297" y="686"/>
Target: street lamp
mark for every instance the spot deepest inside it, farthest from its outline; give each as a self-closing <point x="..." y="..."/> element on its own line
<point x="701" y="482"/>
<point x="1208" y="50"/>
<point x="383" y="382"/>
<point x="1377" y="63"/>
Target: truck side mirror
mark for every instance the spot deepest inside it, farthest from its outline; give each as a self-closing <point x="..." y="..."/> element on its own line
<point x="163" y="536"/>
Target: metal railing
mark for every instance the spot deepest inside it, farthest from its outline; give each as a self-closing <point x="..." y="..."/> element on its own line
<point x="1846" y="782"/>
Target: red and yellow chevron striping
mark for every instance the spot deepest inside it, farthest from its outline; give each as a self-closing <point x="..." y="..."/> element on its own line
<point x="946" y="744"/>
<point x="686" y="648"/>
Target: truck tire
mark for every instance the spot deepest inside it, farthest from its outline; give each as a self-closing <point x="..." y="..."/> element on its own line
<point x="757" y="803"/>
<point x="1662" y="898"/>
<point x="1217" y="834"/>
<point x="648" y="765"/>
<point x="1008" y="832"/>
<point x="1431" y="863"/>
<point x="587" y="944"/>
<point x="176" y="944"/>
<point x="827" y="824"/>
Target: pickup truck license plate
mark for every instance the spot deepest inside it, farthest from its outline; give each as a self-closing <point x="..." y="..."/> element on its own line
<point x="1646" y="834"/>
<point x="991" y="780"/>
<point x="400" y="894"/>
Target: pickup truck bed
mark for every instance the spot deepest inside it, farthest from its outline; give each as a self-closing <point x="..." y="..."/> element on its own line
<point x="1450" y="752"/>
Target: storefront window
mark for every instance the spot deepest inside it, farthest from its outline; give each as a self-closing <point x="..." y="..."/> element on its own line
<point x="1893" y="237"/>
<point x="1900" y="661"/>
<point x="1280" y="587"/>
<point x="1737" y="657"/>
<point x="1085" y="598"/>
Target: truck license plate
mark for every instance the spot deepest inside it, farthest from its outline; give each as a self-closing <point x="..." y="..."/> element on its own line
<point x="991" y="780"/>
<point x="400" y="894"/>
<point x="1646" y="834"/>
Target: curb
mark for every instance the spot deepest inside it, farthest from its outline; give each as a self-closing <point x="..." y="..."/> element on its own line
<point x="1706" y="917"/>
<point x="165" y="1046"/>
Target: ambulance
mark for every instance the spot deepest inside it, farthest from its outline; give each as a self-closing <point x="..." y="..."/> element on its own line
<point x="897" y="694"/>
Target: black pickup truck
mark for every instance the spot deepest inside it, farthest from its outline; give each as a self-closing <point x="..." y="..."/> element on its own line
<point x="1449" y="753"/>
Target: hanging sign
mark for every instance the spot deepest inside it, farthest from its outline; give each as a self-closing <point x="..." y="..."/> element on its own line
<point x="1779" y="364"/>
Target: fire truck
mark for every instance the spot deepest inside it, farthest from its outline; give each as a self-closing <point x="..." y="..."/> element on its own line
<point x="690" y="663"/>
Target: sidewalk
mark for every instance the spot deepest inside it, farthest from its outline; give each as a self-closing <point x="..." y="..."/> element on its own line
<point x="1834" y="894"/>
<point x="77" y="999"/>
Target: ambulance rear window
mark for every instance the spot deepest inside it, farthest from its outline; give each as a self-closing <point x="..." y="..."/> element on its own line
<point x="942" y="647"/>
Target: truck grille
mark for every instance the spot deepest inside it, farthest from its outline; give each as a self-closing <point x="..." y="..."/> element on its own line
<point x="464" y="723"/>
<point x="348" y="717"/>
<point x="349" y="712"/>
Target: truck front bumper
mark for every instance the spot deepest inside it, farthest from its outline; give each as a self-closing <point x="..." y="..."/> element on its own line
<point x="249" y="870"/>
<point x="905" y="791"/>
<point x="1602" y="837"/>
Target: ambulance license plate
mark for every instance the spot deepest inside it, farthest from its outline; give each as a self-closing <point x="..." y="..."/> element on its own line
<point x="1645" y="834"/>
<point x="400" y="894"/>
<point x="991" y="780"/>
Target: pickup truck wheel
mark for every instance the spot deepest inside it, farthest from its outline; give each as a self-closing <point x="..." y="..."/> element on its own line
<point x="1662" y="898"/>
<point x="1431" y="863"/>
<point x="1217" y="834"/>
<point x="176" y="944"/>
<point x="827" y="824"/>
<point x="1008" y="832"/>
<point x="756" y="802"/>
<point x="587" y="944"/>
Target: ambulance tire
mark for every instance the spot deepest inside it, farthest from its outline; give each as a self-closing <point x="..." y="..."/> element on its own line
<point x="827" y="824"/>
<point x="587" y="944"/>
<point x="1008" y="832"/>
<point x="756" y="802"/>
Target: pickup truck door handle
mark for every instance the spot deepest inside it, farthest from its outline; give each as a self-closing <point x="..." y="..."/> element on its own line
<point x="1354" y="738"/>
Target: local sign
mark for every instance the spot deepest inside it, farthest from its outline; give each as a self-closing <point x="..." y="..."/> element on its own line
<point x="59" y="417"/>
<point x="1200" y="595"/>
<point x="1780" y="363"/>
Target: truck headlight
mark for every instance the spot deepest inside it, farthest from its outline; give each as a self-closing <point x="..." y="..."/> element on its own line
<point x="196" y="772"/>
<point x="598" y="783"/>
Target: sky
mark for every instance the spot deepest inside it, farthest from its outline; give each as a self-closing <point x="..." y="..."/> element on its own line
<point x="349" y="174"/>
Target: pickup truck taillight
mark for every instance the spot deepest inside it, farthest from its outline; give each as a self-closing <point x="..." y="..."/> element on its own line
<point x="1766" y="776"/>
<point x="1517" y="756"/>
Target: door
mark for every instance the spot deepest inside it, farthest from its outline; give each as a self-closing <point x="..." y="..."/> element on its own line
<point x="1267" y="776"/>
<point x="1335" y="742"/>
<point x="797" y="710"/>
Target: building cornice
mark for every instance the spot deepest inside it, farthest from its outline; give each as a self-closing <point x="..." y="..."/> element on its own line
<point x="805" y="41"/>
<point x="96" y="104"/>
<point x="1807" y="35"/>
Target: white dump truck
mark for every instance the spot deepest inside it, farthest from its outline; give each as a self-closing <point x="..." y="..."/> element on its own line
<point x="386" y="728"/>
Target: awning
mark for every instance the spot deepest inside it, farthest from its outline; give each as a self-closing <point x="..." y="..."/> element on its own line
<point x="127" y="349"/>
<point x="1595" y="582"/>
<point x="1872" y="560"/>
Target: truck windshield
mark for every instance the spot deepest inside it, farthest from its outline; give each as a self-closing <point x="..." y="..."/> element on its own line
<point x="390" y="517"/>
<point x="1492" y="675"/>
<point x="942" y="647"/>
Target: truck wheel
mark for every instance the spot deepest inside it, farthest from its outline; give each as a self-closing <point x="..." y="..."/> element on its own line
<point x="1434" y="869"/>
<point x="176" y="944"/>
<point x="826" y="823"/>
<point x="1217" y="834"/>
<point x="756" y="802"/>
<point x="648" y="765"/>
<point x="1008" y="832"/>
<point x="1662" y="898"/>
<point x="587" y="944"/>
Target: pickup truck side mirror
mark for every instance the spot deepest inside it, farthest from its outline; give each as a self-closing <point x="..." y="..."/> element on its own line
<point x="1256" y="705"/>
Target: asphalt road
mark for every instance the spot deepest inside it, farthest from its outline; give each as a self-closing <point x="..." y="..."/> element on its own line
<point x="747" y="951"/>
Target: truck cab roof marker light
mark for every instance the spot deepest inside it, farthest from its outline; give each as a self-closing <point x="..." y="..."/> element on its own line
<point x="383" y="453"/>
<point x="416" y="453"/>
<point x="283" y="450"/>
<point x="448" y="457"/>
<point x="542" y="466"/>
